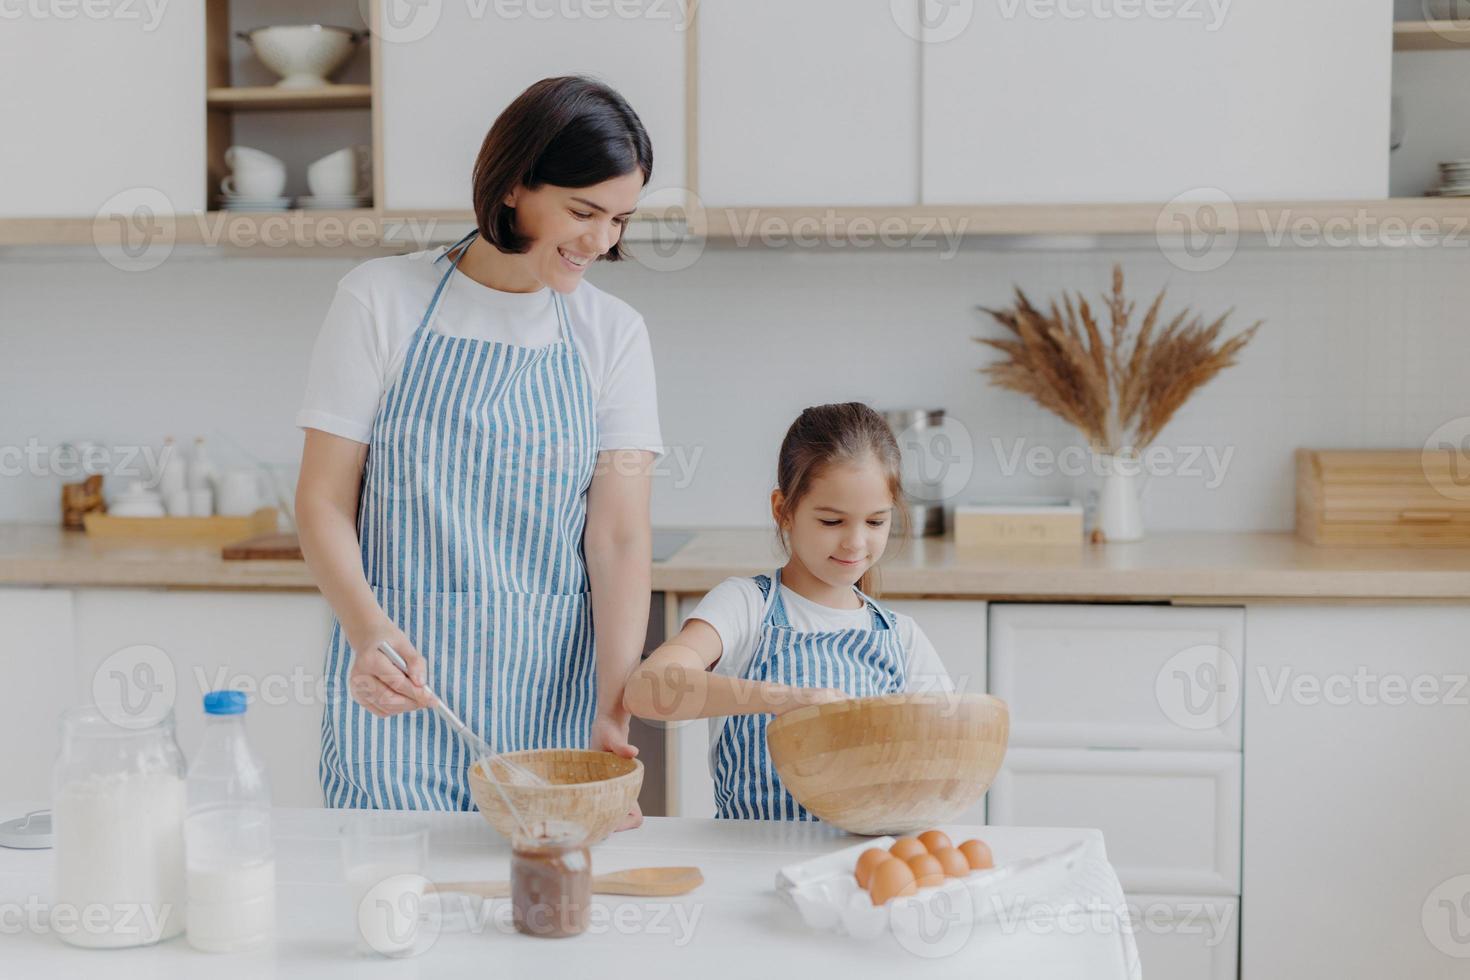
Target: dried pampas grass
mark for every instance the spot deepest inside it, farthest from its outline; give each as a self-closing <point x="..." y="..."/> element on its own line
<point x="1119" y="386"/>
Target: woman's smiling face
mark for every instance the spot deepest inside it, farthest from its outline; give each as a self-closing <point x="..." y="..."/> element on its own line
<point x="571" y="227"/>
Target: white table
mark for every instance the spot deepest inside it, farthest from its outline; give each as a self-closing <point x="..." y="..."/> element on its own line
<point x="734" y="925"/>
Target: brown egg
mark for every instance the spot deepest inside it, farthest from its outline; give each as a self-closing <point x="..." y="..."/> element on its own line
<point x="866" y="862"/>
<point x="928" y="872"/>
<point x="953" y="862"/>
<point x="977" y="852"/>
<point x="907" y="847"/>
<point x="935" y="840"/>
<point x="891" y="878"/>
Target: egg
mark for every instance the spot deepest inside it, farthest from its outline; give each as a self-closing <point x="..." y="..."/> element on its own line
<point x="935" y="840"/>
<point x="953" y="862"/>
<point x="866" y="862"/>
<point x="907" y="847"/>
<point x="890" y="879"/>
<point x="928" y="872"/>
<point x="977" y="852"/>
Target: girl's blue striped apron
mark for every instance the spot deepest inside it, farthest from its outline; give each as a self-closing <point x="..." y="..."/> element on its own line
<point x="862" y="662"/>
<point x="471" y="516"/>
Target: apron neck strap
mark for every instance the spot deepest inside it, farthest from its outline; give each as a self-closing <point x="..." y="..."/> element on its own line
<point x="563" y="319"/>
<point x="463" y="246"/>
<point x="562" y="316"/>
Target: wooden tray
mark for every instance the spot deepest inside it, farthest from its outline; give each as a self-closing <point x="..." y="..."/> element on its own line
<point x="1379" y="498"/>
<point x="182" y="530"/>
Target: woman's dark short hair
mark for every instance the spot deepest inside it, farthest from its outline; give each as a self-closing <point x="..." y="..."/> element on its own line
<point x="567" y="132"/>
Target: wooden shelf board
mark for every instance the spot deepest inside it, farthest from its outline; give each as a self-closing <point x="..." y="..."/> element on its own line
<point x="269" y="98"/>
<point x="941" y="223"/>
<point x="1394" y="218"/>
<point x="1431" y="35"/>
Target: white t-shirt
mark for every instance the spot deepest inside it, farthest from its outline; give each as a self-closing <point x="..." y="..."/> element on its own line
<point x="379" y="304"/>
<point x="735" y="608"/>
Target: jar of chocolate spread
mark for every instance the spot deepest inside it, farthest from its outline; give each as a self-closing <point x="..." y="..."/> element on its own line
<point x="551" y="880"/>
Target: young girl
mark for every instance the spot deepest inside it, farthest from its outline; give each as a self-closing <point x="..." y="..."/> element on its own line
<point x="758" y="647"/>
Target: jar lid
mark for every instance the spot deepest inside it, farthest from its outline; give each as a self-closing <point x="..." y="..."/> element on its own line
<point x="30" y="832"/>
<point x="224" y="703"/>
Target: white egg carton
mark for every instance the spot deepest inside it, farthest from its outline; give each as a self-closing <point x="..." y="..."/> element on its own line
<point x="825" y="892"/>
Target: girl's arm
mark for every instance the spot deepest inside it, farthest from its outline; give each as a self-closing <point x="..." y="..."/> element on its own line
<point x="619" y="549"/>
<point x="675" y="683"/>
<point x="326" y="521"/>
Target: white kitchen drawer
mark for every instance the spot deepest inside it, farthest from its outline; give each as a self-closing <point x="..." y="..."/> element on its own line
<point x="1186" y="937"/>
<point x="1171" y="820"/>
<point x="1080" y="676"/>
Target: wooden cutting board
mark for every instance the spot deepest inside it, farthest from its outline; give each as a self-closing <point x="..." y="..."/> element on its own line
<point x="265" y="547"/>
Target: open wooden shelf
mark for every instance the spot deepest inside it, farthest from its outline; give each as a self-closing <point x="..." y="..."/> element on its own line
<point x="1431" y="35"/>
<point x="269" y="98"/>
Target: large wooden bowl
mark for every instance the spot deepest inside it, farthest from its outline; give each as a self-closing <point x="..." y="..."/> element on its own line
<point x="594" y="789"/>
<point x="891" y="764"/>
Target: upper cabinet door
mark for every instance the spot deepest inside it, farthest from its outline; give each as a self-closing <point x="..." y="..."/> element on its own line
<point x="101" y="100"/>
<point x="449" y="69"/>
<point x="807" y="103"/>
<point x="1060" y="101"/>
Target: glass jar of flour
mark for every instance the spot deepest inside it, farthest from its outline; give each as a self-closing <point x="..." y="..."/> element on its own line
<point x="118" y="807"/>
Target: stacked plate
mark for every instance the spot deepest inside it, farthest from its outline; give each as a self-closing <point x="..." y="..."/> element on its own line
<point x="1454" y="179"/>
<point x="334" y="202"/>
<point x="235" y="202"/>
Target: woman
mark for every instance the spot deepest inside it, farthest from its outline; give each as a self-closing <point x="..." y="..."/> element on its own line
<point x="474" y="490"/>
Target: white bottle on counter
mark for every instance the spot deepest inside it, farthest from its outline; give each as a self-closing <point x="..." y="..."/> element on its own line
<point x="199" y="479"/>
<point x="229" y="860"/>
<point x="172" y="475"/>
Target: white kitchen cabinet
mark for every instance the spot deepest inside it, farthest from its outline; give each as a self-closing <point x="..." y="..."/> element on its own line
<point x="810" y="103"/>
<point x="1186" y="936"/>
<point x="36" y="650"/>
<point x="1047" y="102"/>
<point x="1171" y="819"/>
<point x="269" y="644"/>
<point x="1357" y="815"/>
<point x="955" y="627"/>
<point x="449" y="70"/>
<point x="103" y="99"/>
<point x="1130" y="677"/>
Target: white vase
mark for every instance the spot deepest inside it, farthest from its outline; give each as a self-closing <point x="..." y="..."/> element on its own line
<point x="1120" y="498"/>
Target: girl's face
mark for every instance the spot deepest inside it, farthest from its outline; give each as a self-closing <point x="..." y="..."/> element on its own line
<point x="570" y="227"/>
<point x="841" y="525"/>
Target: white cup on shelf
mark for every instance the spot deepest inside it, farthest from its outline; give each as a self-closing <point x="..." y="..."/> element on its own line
<point x="339" y="173"/>
<point x="253" y="173"/>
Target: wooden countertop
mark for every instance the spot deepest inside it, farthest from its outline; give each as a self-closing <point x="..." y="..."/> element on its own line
<point x="1195" y="566"/>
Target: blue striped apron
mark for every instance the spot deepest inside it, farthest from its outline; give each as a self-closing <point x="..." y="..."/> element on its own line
<point x="862" y="662"/>
<point x="470" y="520"/>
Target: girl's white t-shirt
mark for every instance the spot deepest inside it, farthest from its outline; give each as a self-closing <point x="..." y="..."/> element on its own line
<point x="379" y="304"/>
<point x="735" y="608"/>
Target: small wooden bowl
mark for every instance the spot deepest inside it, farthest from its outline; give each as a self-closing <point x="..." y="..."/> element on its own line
<point x="594" y="789"/>
<point x="891" y="764"/>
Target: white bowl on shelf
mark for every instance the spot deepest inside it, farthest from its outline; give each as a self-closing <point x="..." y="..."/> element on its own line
<point x="302" y="54"/>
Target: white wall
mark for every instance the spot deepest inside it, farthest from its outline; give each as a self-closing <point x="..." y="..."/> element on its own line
<point x="1361" y="348"/>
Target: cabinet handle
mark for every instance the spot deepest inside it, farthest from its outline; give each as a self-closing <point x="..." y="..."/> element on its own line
<point x="1425" y="516"/>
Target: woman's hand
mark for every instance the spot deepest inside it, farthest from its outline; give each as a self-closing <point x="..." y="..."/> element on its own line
<point x="376" y="683"/>
<point x="610" y="734"/>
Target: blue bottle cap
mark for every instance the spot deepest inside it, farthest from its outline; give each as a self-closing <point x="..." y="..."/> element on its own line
<point x="224" y="703"/>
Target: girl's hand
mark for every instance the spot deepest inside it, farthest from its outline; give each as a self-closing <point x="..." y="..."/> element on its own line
<point x="610" y="734"/>
<point x="803" y="696"/>
<point x="378" y="685"/>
